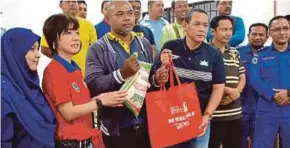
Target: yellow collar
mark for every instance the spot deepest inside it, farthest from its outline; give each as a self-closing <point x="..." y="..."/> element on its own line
<point x="126" y="47"/>
<point x="111" y="36"/>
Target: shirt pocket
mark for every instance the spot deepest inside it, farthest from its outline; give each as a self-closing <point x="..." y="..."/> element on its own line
<point x="270" y="69"/>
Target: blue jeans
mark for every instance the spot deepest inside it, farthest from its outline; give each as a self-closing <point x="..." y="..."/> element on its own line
<point x="200" y="142"/>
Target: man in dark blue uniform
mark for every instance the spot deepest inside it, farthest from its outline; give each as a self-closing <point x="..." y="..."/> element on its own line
<point x="269" y="76"/>
<point x="257" y="37"/>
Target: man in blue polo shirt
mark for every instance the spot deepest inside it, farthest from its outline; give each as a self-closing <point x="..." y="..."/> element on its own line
<point x="140" y="30"/>
<point x="269" y="76"/>
<point x="109" y="63"/>
<point x="195" y="61"/>
<point x="257" y="37"/>
<point x="103" y="27"/>
<point x="154" y="21"/>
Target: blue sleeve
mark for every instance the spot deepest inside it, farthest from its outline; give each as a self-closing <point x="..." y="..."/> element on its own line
<point x="97" y="78"/>
<point x="239" y="32"/>
<point x="209" y="35"/>
<point x="260" y="86"/>
<point x="218" y="74"/>
<point x="151" y="36"/>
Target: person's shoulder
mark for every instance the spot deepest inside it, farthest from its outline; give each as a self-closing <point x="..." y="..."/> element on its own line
<point x="242" y="48"/>
<point x="99" y="24"/>
<point x="100" y="45"/>
<point x="264" y="51"/>
<point x="210" y="50"/>
<point x="8" y="89"/>
<point x="54" y="67"/>
<point x="6" y="84"/>
<point x="85" y="22"/>
<point x="168" y="27"/>
<point x="175" y="44"/>
<point x="165" y="21"/>
<point x="236" y="18"/>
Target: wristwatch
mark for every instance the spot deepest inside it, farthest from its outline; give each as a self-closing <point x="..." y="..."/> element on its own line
<point x="208" y="114"/>
<point x="99" y="103"/>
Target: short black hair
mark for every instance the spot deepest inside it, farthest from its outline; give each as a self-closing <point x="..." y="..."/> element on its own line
<point x="258" y="24"/>
<point x="276" y="18"/>
<point x="103" y="4"/>
<point x="82" y="2"/>
<point x="287" y="17"/>
<point x="191" y="11"/>
<point x="215" y="21"/>
<point x="55" y="25"/>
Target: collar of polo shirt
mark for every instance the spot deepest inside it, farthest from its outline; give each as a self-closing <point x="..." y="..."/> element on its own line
<point x="126" y="47"/>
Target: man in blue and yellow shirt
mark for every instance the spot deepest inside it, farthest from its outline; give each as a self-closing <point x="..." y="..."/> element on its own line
<point x="109" y="63"/>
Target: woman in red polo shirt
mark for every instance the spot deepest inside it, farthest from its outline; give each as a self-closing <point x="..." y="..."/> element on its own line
<point x="66" y="91"/>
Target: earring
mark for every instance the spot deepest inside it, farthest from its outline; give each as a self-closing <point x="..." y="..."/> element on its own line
<point x="53" y="46"/>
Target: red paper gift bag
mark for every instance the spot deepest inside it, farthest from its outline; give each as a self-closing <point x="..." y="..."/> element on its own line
<point x="174" y="115"/>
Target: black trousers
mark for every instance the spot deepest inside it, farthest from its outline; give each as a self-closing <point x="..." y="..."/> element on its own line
<point x="225" y="133"/>
<point x="131" y="137"/>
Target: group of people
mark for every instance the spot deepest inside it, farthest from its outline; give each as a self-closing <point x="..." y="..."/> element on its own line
<point x="244" y="91"/>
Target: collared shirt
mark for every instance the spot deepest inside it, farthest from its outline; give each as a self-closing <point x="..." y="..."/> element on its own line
<point x="102" y="28"/>
<point x="141" y="31"/>
<point x="156" y="28"/>
<point x="233" y="68"/>
<point x="105" y="59"/>
<point x="63" y="82"/>
<point x="270" y="70"/>
<point x="88" y="36"/>
<point x="203" y="65"/>
<point x="249" y="96"/>
<point x="169" y="33"/>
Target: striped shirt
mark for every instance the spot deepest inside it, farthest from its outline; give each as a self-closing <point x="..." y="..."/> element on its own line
<point x="233" y="69"/>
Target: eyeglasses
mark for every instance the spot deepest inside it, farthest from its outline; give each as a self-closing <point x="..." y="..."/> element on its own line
<point x="285" y="29"/>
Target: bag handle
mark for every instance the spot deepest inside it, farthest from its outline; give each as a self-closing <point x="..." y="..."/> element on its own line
<point x="172" y="74"/>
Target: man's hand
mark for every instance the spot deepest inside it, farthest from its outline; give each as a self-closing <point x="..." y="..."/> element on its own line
<point x="281" y="97"/>
<point x="161" y="76"/>
<point x="131" y="66"/>
<point x="233" y="93"/>
<point x="226" y="100"/>
<point x="204" y="124"/>
<point x="165" y="57"/>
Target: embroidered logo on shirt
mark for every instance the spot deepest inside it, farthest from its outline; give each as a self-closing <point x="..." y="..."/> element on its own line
<point x="175" y="56"/>
<point x="203" y="63"/>
<point x="76" y="87"/>
<point x="255" y="60"/>
<point x="268" y="58"/>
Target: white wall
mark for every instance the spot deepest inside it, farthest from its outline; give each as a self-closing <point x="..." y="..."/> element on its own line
<point x="32" y="13"/>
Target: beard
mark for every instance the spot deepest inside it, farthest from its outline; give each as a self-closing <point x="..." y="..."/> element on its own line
<point x="257" y="46"/>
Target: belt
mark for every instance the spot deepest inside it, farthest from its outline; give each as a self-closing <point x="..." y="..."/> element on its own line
<point x="72" y="143"/>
